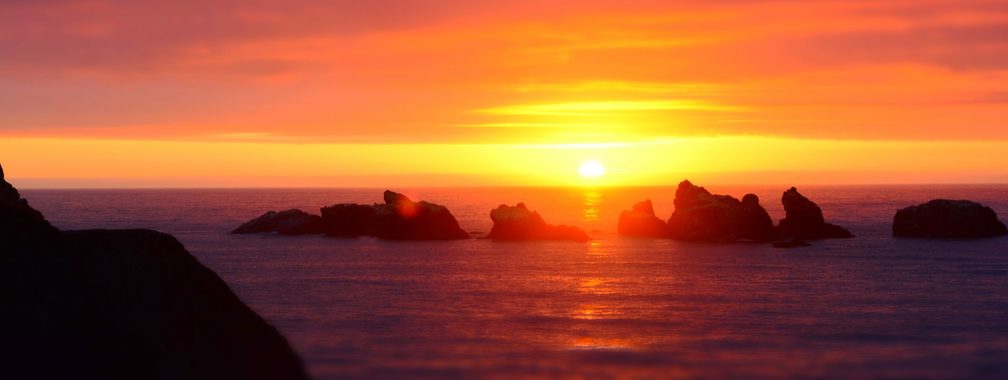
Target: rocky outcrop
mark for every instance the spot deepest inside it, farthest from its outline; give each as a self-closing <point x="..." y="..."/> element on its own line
<point x="519" y="223"/>
<point x="702" y="216"/>
<point x="399" y="218"/>
<point x="287" y="222"/>
<point x="755" y="223"/>
<point x="804" y="219"/>
<point x="125" y="304"/>
<point x="18" y="221"/>
<point x="641" y="222"/>
<point x="403" y="219"/>
<point x="349" y="220"/>
<point x="943" y="218"/>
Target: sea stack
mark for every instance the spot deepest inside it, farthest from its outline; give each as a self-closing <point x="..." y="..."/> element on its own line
<point x="122" y="304"/>
<point x="702" y="216"/>
<point x="399" y="218"/>
<point x="519" y="223"/>
<point x="642" y="222"/>
<point x="804" y="219"/>
<point x="944" y="218"/>
<point x="349" y="220"/>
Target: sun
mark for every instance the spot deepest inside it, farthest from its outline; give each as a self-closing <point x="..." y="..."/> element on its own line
<point x="591" y="169"/>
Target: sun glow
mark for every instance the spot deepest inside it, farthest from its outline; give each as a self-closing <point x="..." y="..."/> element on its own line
<point x="591" y="169"/>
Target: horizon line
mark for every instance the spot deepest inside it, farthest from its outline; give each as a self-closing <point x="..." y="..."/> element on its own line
<point x="518" y="186"/>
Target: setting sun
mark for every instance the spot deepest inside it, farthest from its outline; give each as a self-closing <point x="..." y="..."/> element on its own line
<point x="591" y="169"/>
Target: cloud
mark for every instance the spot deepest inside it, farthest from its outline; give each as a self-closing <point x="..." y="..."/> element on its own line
<point x="957" y="47"/>
<point x="470" y="71"/>
<point x="132" y="35"/>
<point x="599" y="108"/>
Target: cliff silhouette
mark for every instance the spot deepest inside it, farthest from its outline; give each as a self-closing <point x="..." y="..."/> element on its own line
<point x="122" y="304"/>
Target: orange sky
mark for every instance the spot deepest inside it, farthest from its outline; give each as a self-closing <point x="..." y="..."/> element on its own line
<point x="409" y="92"/>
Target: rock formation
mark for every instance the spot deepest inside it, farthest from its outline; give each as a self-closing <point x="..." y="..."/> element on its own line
<point x="403" y="219"/>
<point x="349" y="220"/>
<point x="520" y="223"/>
<point x="287" y="222"/>
<point x="399" y="218"/>
<point x="804" y="219"/>
<point x="641" y="222"/>
<point x="124" y="304"/>
<point x="18" y="221"/>
<point x="755" y="223"/>
<point x="943" y="218"/>
<point x="702" y="216"/>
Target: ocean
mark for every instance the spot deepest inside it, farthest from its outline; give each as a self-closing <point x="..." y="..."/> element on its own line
<point x="869" y="307"/>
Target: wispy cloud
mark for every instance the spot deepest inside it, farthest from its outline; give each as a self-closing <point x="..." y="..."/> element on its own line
<point x="622" y="86"/>
<point x="598" y="108"/>
<point x="519" y="125"/>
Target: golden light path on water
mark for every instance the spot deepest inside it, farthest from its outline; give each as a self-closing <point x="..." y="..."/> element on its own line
<point x="592" y="201"/>
<point x="599" y="291"/>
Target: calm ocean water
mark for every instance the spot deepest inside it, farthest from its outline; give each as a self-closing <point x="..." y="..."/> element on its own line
<point x="869" y="307"/>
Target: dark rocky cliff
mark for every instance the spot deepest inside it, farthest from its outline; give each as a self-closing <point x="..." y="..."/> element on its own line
<point x="123" y="304"/>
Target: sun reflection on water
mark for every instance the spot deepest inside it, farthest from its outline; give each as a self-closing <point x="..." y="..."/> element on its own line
<point x="589" y="343"/>
<point x="595" y="311"/>
<point x="592" y="199"/>
<point x="595" y="285"/>
<point x="600" y="305"/>
<point x="595" y="248"/>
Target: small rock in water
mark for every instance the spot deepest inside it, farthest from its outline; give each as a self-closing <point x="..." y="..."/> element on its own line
<point x="642" y="222"/>
<point x="944" y="218"/>
<point x="520" y="223"/>
<point x="804" y="219"/>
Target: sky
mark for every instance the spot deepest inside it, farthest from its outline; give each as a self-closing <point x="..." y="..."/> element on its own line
<point x="110" y="93"/>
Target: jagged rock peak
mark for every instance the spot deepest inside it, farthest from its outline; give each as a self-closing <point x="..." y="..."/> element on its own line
<point x="803" y="219"/>
<point x="640" y="221"/>
<point x="393" y="198"/>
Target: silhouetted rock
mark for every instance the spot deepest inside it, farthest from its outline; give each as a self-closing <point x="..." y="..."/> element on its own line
<point x="702" y="216"/>
<point x="18" y="221"/>
<point x="287" y="222"/>
<point x="127" y="304"/>
<point x="943" y="218"/>
<point x="755" y="223"/>
<point x="804" y="219"/>
<point x="520" y="223"/>
<point x="403" y="219"/>
<point x="398" y="219"/>
<point x="350" y="220"/>
<point x="641" y="222"/>
<point x="790" y="243"/>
